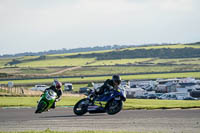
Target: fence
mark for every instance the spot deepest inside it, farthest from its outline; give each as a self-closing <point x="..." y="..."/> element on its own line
<point x="22" y="91"/>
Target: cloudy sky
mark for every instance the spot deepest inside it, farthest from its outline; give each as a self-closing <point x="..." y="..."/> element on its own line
<point x="39" y="25"/>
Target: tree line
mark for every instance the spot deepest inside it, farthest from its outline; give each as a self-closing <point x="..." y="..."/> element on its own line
<point x="164" y="53"/>
<point x="64" y="50"/>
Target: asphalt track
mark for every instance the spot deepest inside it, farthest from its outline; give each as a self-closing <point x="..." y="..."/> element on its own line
<point x="63" y="119"/>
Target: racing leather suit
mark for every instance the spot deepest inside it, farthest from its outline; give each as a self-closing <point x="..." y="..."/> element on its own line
<point x="108" y="84"/>
<point x="58" y="92"/>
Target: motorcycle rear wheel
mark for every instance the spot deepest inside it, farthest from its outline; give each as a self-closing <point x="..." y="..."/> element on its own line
<point x="80" y="108"/>
<point x="114" y="106"/>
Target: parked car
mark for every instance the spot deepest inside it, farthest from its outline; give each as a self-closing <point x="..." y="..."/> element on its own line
<point x="68" y="87"/>
<point x="83" y="90"/>
<point x="39" y="87"/>
<point x="147" y="96"/>
<point x="141" y="97"/>
<point x="168" y="96"/>
<point x="158" y="95"/>
<point x="181" y="95"/>
<point x="151" y="96"/>
<point x="144" y="96"/>
<point x="190" y="98"/>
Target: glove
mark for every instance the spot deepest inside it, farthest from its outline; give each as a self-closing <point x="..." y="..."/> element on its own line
<point x="97" y="89"/>
<point x="106" y="92"/>
<point x="57" y="99"/>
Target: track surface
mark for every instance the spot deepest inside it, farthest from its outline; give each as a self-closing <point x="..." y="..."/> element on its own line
<point x="63" y="119"/>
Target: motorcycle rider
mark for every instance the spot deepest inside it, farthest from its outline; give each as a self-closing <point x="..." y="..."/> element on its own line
<point x="108" y="85"/>
<point x="56" y="87"/>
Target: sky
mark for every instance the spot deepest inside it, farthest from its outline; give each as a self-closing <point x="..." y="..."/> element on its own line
<point x="41" y="25"/>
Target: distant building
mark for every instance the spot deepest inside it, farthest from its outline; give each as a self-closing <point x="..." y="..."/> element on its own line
<point x="187" y="82"/>
<point x="134" y="92"/>
<point x="167" y="87"/>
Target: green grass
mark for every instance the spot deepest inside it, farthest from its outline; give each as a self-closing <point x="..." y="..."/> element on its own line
<point x="3" y="91"/>
<point x="129" y="69"/>
<point x="103" y="78"/>
<point x="188" y="61"/>
<point x="57" y="62"/>
<point x="166" y="46"/>
<point x="105" y="66"/>
<point x="69" y="54"/>
<point x="3" y="62"/>
<point x="160" y="104"/>
<point x="39" y="70"/>
<point x="32" y="101"/>
<point x="155" y="61"/>
<point x="31" y="70"/>
<point x="94" y="62"/>
<point x="76" y="87"/>
<point x="49" y="131"/>
<point x="27" y="58"/>
<point x="129" y="104"/>
<point x="58" y="58"/>
<point x="118" y="61"/>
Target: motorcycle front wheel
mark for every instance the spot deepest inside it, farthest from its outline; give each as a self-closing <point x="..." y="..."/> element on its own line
<point x="41" y="107"/>
<point x="114" y="106"/>
<point x="81" y="107"/>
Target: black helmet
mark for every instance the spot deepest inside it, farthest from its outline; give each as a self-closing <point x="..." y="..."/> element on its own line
<point x="116" y="79"/>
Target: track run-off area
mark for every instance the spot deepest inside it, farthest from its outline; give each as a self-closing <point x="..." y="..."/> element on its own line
<point x="63" y="119"/>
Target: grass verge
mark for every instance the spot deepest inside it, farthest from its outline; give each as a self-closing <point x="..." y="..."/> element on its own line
<point x="103" y="78"/>
<point x="32" y="101"/>
<point x="160" y="104"/>
<point x="49" y="131"/>
<point x="129" y="104"/>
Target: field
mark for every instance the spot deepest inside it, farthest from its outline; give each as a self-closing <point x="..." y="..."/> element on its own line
<point x="103" y="66"/>
<point x="32" y="101"/>
<point x="129" y="104"/>
<point x="103" y="78"/>
<point x="93" y="62"/>
<point x="118" y="62"/>
<point x="168" y="46"/>
<point x="58" y="62"/>
<point x="49" y="66"/>
<point x="49" y="131"/>
<point x="104" y="70"/>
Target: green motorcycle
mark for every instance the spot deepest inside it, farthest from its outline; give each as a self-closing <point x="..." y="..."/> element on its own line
<point x="46" y="101"/>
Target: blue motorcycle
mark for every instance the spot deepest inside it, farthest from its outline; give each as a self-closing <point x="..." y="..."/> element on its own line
<point x="110" y="102"/>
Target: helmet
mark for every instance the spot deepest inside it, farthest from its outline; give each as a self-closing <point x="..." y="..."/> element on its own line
<point x="116" y="79"/>
<point x="57" y="84"/>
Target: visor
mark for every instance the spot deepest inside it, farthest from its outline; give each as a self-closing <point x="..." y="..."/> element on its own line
<point x="117" y="82"/>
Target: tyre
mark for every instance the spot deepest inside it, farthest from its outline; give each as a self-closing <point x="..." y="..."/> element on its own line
<point x="81" y="107"/>
<point x="114" y="106"/>
<point x="41" y="107"/>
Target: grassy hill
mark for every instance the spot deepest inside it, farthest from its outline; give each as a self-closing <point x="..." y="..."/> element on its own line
<point x="156" y="61"/>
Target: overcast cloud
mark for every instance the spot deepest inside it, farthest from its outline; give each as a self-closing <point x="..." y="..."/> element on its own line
<point x="38" y="25"/>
